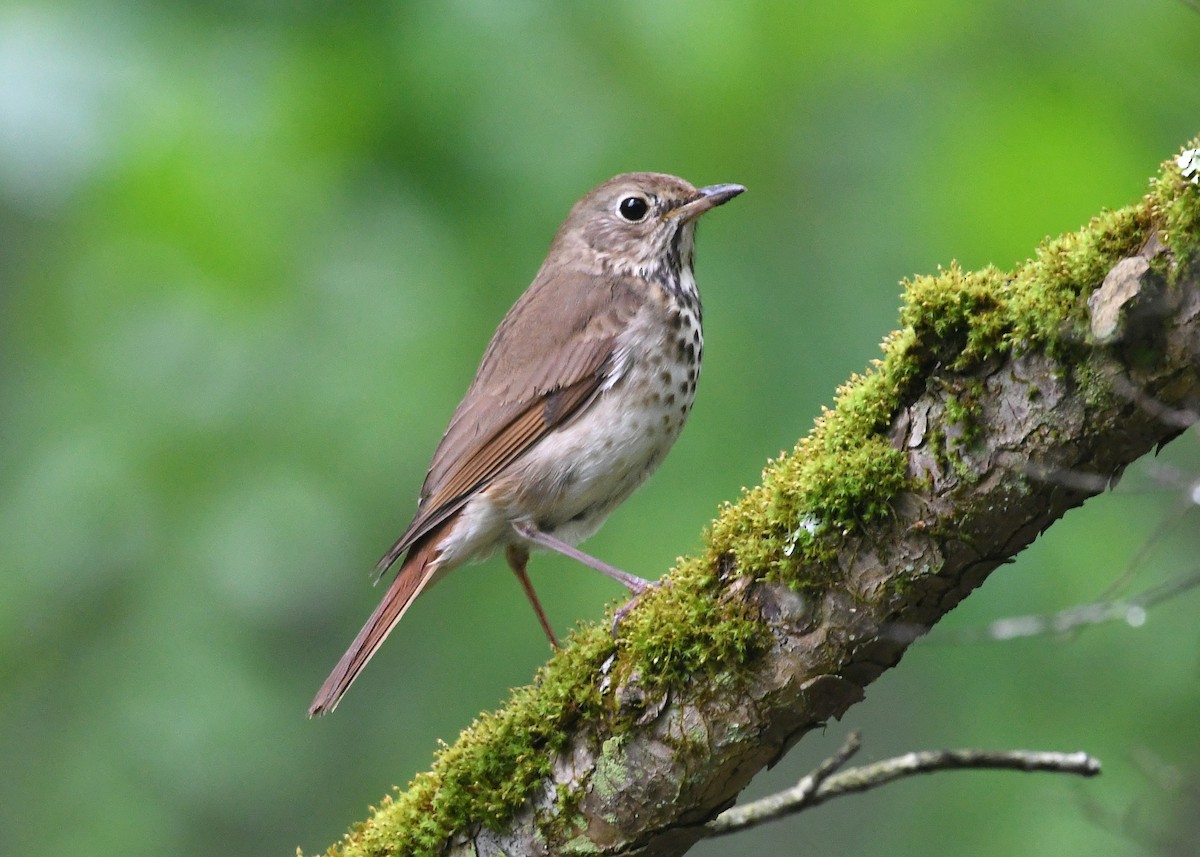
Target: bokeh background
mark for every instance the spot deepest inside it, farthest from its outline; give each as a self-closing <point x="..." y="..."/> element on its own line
<point x="250" y="254"/>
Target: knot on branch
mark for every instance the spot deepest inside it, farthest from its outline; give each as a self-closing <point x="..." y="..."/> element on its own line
<point x="1131" y="301"/>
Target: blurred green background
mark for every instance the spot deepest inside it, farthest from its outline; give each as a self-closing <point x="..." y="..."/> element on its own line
<point x="250" y="254"/>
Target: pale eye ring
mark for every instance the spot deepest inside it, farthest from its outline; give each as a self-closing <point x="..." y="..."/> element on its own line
<point x="633" y="208"/>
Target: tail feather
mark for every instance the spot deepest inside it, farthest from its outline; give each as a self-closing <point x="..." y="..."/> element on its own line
<point x="413" y="577"/>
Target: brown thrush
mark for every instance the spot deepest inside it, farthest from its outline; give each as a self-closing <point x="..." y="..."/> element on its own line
<point x="581" y="392"/>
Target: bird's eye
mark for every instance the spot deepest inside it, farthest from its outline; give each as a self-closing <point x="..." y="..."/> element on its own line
<point x="633" y="208"/>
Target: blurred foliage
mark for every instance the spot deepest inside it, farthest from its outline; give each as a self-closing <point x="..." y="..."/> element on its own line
<point x="250" y="255"/>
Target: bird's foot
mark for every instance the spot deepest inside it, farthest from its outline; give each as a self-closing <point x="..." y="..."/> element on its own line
<point x="624" y="609"/>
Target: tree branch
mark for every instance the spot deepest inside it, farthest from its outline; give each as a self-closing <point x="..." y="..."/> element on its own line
<point x="825" y="783"/>
<point x="934" y="468"/>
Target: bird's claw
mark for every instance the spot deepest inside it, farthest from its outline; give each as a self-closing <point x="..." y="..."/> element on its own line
<point x="624" y="609"/>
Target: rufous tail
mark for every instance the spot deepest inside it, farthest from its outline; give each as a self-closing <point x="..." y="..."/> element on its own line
<point x="412" y="578"/>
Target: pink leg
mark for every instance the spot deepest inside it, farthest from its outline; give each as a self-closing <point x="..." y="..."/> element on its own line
<point x="517" y="558"/>
<point x="632" y="582"/>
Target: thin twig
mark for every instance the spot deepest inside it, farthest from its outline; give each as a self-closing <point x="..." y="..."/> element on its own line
<point x="1191" y="4"/>
<point x="825" y="783"/>
<point x="1132" y="611"/>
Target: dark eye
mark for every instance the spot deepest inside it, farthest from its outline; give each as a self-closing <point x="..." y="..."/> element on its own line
<point x="633" y="208"/>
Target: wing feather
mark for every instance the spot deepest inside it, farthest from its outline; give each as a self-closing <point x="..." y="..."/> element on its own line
<point x="547" y="361"/>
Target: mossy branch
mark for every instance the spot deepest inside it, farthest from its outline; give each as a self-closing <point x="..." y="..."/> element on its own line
<point x="940" y="463"/>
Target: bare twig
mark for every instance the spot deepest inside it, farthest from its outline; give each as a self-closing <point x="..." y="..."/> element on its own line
<point x="1162" y="819"/>
<point x="825" y="783"/>
<point x="807" y="792"/>
<point x="1131" y="611"/>
<point x="1163" y="478"/>
<point x="1191" y="4"/>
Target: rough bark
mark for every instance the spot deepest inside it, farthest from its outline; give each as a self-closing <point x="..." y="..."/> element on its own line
<point x="1049" y="427"/>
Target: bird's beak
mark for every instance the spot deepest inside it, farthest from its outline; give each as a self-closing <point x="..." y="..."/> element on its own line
<point x="710" y="197"/>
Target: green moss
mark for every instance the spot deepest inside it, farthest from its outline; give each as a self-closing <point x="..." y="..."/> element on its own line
<point x="497" y="762"/>
<point x="962" y="428"/>
<point x="566" y="803"/>
<point x="679" y="633"/>
<point x="1177" y="206"/>
<point x="963" y="411"/>
<point x="844" y="473"/>
<point x="958" y="317"/>
<point x="676" y="636"/>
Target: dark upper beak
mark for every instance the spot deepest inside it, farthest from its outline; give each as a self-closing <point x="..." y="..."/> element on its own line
<point x="710" y="197"/>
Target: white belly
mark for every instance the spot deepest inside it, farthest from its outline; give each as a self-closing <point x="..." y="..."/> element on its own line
<point x="569" y="482"/>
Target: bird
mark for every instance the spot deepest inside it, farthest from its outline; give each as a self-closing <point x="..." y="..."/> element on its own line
<point x="580" y="394"/>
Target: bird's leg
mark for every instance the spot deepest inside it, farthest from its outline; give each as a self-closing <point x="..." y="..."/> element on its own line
<point x="518" y="557"/>
<point x="632" y="582"/>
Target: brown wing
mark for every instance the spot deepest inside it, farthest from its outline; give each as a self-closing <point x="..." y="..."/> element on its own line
<point x="547" y="360"/>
